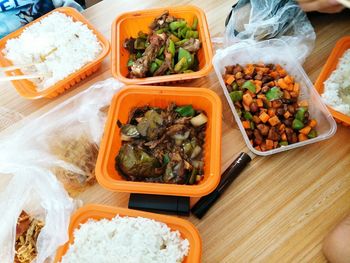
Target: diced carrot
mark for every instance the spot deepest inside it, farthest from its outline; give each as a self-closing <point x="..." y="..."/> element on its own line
<point x="313" y="123"/>
<point x="271" y="84"/>
<point x="305" y="130"/>
<point x="264" y="117"/>
<point x="284" y="137"/>
<point x="296" y="87"/>
<point x="249" y="69"/>
<point x="257" y="89"/>
<point x="271" y="112"/>
<point x="274" y="74"/>
<point x="229" y="79"/>
<point x="287" y="114"/>
<point x="278" y="67"/>
<point x="286" y="95"/>
<point x="246" y="124"/>
<point x="258" y="83"/>
<point x="302" y="137"/>
<point x="257" y="148"/>
<point x="259" y="102"/>
<point x="261" y="96"/>
<point x="269" y="144"/>
<point x="282" y="72"/>
<point x="290" y="87"/>
<point x="303" y="103"/>
<point x="282" y="127"/>
<point x="263" y="110"/>
<point x="274" y="121"/>
<point x="262" y="69"/>
<point x="256" y="119"/>
<point x="288" y="79"/>
<point x="282" y="84"/>
<point x="294" y="94"/>
<point x="246" y="107"/>
<point x="247" y="99"/>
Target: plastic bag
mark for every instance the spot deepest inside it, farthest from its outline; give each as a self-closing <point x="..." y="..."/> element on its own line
<point x="65" y="140"/>
<point x="38" y="193"/>
<point x="256" y="20"/>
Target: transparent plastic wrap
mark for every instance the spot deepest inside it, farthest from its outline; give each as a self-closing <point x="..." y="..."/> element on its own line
<point x="275" y="52"/>
<point x="35" y="234"/>
<point x="65" y="140"/>
<point x="256" y="20"/>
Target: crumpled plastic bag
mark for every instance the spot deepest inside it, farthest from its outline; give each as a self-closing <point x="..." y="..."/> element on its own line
<point x="59" y="146"/>
<point x="256" y="20"/>
<point x="65" y="140"/>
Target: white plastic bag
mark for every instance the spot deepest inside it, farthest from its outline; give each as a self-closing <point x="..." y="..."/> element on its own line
<point x="38" y="193"/>
<point x="32" y="159"/>
<point x="65" y="140"/>
<point x="256" y="20"/>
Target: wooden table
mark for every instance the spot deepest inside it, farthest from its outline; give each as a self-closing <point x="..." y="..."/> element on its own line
<point x="282" y="206"/>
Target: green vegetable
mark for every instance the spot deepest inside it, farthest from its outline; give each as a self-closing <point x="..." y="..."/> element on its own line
<point x="193" y="176"/>
<point x="154" y="67"/>
<point x="195" y="34"/>
<point x="247" y="115"/>
<point x="185" y="111"/>
<point x="283" y="143"/>
<point x="249" y="86"/>
<point x="160" y="31"/>
<point x="183" y="53"/>
<point x="140" y="34"/>
<point x="234" y="85"/>
<point x="138" y="54"/>
<point x="236" y="95"/>
<point x="177" y="24"/>
<point x="161" y="50"/>
<point x="174" y="38"/>
<point x="252" y="125"/>
<point x="297" y="124"/>
<point x="184" y="31"/>
<point x="130" y="62"/>
<point x="312" y="134"/>
<point x="158" y="61"/>
<point x="274" y="94"/>
<point x="171" y="48"/>
<point x="180" y="43"/>
<point x="188" y="71"/>
<point x="139" y="43"/>
<point x="300" y="115"/>
<point x="166" y="158"/>
<point x="161" y="57"/>
<point x="195" y="23"/>
<point x="181" y="65"/>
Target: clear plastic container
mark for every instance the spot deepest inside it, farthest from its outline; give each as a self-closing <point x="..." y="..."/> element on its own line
<point x="276" y="52"/>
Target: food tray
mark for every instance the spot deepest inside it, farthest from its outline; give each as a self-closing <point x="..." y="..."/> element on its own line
<point x="187" y="230"/>
<point x="136" y="96"/>
<point x="27" y="89"/>
<point x="342" y="45"/>
<point x="129" y="24"/>
<point x="275" y="51"/>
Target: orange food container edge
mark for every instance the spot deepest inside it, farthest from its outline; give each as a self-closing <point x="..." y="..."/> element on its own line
<point x="95" y="211"/>
<point x="341" y="46"/>
<point x="206" y="45"/>
<point x="75" y="77"/>
<point x="105" y="180"/>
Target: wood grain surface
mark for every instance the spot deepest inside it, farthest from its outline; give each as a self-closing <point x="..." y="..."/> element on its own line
<point x="282" y="206"/>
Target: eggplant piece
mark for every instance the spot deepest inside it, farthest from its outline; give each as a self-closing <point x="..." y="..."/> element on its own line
<point x="133" y="162"/>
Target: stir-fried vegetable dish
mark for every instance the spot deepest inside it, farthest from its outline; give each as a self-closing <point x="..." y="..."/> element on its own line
<point x="266" y="99"/>
<point x="170" y="48"/>
<point x="163" y="145"/>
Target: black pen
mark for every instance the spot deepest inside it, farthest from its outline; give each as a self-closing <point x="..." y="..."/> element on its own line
<point x="230" y="174"/>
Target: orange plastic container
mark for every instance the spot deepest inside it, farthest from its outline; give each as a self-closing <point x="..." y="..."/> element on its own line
<point x="129" y="24"/>
<point x="27" y="88"/>
<point x="136" y="96"/>
<point x="342" y="45"/>
<point x="187" y="230"/>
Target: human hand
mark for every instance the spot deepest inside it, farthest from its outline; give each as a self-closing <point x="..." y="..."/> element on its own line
<point x="324" y="6"/>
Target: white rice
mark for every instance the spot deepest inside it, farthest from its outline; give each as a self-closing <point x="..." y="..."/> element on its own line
<point x="126" y="240"/>
<point x="337" y="86"/>
<point x="57" y="46"/>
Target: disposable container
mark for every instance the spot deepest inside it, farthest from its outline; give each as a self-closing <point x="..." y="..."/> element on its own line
<point x="129" y="24"/>
<point x="275" y="51"/>
<point x="27" y="88"/>
<point x="136" y="96"/>
<point x="187" y="230"/>
<point x="342" y="45"/>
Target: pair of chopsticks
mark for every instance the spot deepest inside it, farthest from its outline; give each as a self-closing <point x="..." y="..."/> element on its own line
<point x="19" y="77"/>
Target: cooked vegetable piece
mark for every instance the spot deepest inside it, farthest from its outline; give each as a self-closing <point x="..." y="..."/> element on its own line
<point x="297" y="124"/>
<point x="236" y="95"/>
<point x="250" y="86"/>
<point x="177" y="24"/>
<point x="300" y="115"/>
<point x="185" y="111"/>
<point x="199" y="120"/>
<point x="274" y="94"/>
<point x="195" y="23"/>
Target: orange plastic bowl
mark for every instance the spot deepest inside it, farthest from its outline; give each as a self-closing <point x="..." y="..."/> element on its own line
<point x="342" y="45"/>
<point x="27" y="88"/>
<point x="187" y="230"/>
<point x="157" y="96"/>
<point x="129" y="24"/>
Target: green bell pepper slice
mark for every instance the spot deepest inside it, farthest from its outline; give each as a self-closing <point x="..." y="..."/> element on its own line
<point x="300" y="115"/>
<point x="177" y="24"/>
<point x="183" y="53"/>
<point x="236" y="95"/>
<point x="181" y="65"/>
<point x="185" y="111"/>
<point x="274" y="94"/>
<point x="297" y="124"/>
<point x="249" y="86"/>
<point x="171" y="48"/>
<point x="154" y="67"/>
<point x="195" y="23"/>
